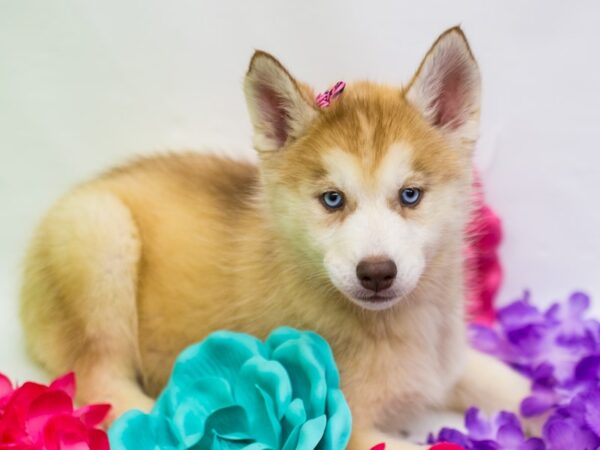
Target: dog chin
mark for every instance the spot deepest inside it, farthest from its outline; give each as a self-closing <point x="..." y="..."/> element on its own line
<point x="376" y="302"/>
<point x="370" y="300"/>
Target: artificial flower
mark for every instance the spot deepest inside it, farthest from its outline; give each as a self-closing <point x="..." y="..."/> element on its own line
<point x="500" y="432"/>
<point x="559" y="350"/>
<point x="38" y="417"/>
<point x="483" y="269"/>
<point x="439" y="446"/>
<point x="233" y="391"/>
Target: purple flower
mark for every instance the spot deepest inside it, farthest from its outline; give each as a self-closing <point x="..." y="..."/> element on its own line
<point x="566" y="433"/>
<point x="527" y="338"/>
<point x="501" y="432"/>
<point x="559" y="350"/>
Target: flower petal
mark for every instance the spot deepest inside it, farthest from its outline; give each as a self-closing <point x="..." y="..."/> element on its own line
<point x="592" y="411"/>
<point x="380" y="446"/>
<point x="311" y="433"/>
<point x="565" y="434"/>
<point x="188" y="421"/>
<point x="230" y="424"/>
<point x="510" y="436"/>
<point x="339" y="423"/>
<point x="66" y="383"/>
<point x="519" y="314"/>
<point x="318" y="345"/>
<point x="588" y="368"/>
<point x="92" y="415"/>
<point x="13" y="423"/>
<point x="190" y="406"/>
<point x="485" y="445"/>
<point x="139" y="431"/>
<point x="65" y="433"/>
<point x="533" y="444"/>
<point x="446" y="446"/>
<point x="485" y="339"/>
<point x="264" y="389"/>
<point x="220" y="355"/>
<point x="48" y="405"/>
<point x="306" y="375"/>
<point x="293" y="419"/>
<point x="6" y="387"/>
<point x="17" y="446"/>
<point x="537" y="403"/>
<point x="98" y="440"/>
<point x="453" y="436"/>
<point x="578" y="303"/>
<point x="479" y="428"/>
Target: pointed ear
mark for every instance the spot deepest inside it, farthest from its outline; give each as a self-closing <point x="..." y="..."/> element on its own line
<point x="280" y="108"/>
<point x="446" y="87"/>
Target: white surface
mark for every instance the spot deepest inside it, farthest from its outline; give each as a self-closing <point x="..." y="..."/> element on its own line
<point x="84" y="85"/>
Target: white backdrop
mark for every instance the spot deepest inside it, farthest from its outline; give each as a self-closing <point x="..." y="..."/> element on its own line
<point x="86" y="84"/>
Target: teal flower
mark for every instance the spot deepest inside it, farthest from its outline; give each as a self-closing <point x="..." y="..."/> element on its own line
<point x="234" y="392"/>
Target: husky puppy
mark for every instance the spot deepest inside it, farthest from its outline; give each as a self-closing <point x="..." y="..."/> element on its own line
<point x="352" y="225"/>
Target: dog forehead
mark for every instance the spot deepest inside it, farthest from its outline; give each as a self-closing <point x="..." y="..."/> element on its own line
<point x="360" y="171"/>
<point x="366" y="124"/>
<point x="371" y="133"/>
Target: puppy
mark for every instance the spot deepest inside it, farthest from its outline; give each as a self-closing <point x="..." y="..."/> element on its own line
<point x="351" y="225"/>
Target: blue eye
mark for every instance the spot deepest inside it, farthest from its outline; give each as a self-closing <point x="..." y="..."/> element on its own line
<point x="410" y="196"/>
<point x="332" y="200"/>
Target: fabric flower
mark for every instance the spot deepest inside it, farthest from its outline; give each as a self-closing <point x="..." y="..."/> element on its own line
<point x="501" y="432"/>
<point x="35" y="416"/>
<point x="559" y="350"/>
<point x="440" y="446"/>
<point x="446" y="446"/>
<point x="233" y="391"/>
<point x="483" y="269"/>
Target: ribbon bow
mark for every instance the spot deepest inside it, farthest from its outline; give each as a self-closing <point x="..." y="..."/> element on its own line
<point x="324" y="99"/>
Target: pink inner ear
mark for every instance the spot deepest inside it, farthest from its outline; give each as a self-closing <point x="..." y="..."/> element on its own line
<point x="450" y="104"/>
<point x="273" y="112"/>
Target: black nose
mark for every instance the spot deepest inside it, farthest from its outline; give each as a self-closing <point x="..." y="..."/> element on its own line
<point x="376" y="273"/>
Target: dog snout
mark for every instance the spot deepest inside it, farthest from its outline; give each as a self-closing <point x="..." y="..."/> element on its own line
<point x="376" y="273"/>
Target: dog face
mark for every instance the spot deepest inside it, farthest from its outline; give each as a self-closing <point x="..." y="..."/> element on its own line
<point x="372" y="188"/>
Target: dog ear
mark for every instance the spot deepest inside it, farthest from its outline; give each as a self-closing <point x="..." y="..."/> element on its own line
<point x="280" y="108"/>
<point x="446" y="87"/>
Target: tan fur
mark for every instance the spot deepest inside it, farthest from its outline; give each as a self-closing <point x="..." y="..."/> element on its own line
<point x="128" y="269"/>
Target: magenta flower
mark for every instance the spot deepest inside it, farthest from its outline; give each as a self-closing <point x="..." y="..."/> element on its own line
<point x="439" y="446"/>
<point x="38" y="417"/>
<point x="483" y="268"/>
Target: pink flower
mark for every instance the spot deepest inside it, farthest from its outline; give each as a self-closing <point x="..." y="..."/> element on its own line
<point x="440" y="446"/>
<point x="446" y="446"/>
<point x="38" y="417"/>
<point x="483" y="269"/>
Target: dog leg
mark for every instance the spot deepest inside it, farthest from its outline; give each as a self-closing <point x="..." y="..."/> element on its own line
<point x="79" y="298"/>
<point x="490" y="385"/>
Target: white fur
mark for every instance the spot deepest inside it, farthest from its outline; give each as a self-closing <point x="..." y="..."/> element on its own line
<point x="374" y="228"/>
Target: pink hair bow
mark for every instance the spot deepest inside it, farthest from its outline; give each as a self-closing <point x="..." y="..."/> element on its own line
<point x="324" y="99"/>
